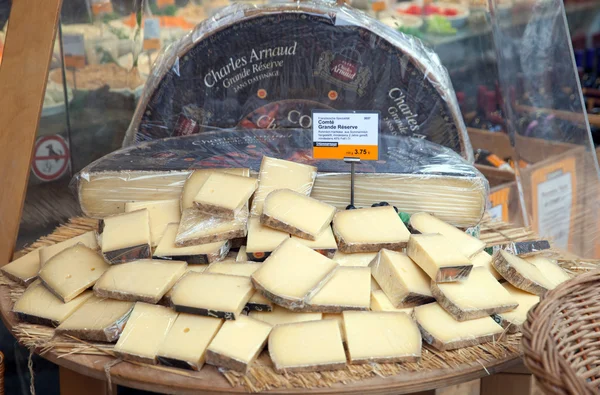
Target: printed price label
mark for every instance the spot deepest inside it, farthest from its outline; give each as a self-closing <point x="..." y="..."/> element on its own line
<point x="74" y="50"/>
<point x="499" y="200"/>
<point x="151" y="34"/>
<point x="345" y="134"/>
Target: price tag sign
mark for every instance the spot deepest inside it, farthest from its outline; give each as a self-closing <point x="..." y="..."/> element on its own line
<point x="151" y="34"/>
<point x="74" y="50"/>
<point x="345" y="134"/>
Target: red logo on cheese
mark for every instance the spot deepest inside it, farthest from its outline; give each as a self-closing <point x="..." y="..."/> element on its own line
<point x="261" y="93"/>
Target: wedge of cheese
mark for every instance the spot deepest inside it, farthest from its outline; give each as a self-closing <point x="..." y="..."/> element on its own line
<point x="126" y="237"/>
<point x="348" y="289"/>
<point x="144" y="280"/>
<point x="160" y="212"/>
<point x="211" y="294"/>
<point x="196" y="254"/>
<point x="258" y="302"/>
<point x="380" y="302"/>
<point x="522" y="274"/>
<point x="356" y="259"/>
<point x="296" y="214"/>
<point x="38" y="305"/>
<point x="292" y="274"/>
<point x="72" y="271"/>
<point x="483" y="259"/>
<point x="325" y="243"/>
<point x="198" y="177"/>
<point x="512" y="321"/>
<point x="224" y="195"/>
<point x="478" y="296"/>
<point x="550" y="268"/>
<point x="262" y="240"/>
<point x="88" y="239"/>
<point x="234" y="268"/>
<point x="241" y="255"/>
<point x="438" y="257"/>
<point x="238" y="344"/>
<point x="402" y="280"/>
<point x="197" y="227"/>
<point x="369" y="230"/>
<point x="393" y="337"/>
<point x="339" y="318"/>
<point x="427" y="223"/>
<point x="98" y="319"/>
<point x="186" y="342"/>
<point x="443" y="332"/>
<point x="374" y="285"/>
<point x="144" y="333"/>
<point x="307" y="346"/>
<point x="23" y="270"/>
<point x="280" y="315"/>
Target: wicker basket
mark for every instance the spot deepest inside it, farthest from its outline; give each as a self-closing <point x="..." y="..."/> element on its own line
<point x="561" y="337"/>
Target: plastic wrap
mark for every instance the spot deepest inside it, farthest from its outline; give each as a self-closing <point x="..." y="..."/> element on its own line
<point x="197" y="227"/>
<point x="412" y="174"/>
<point x="269" y="66"/>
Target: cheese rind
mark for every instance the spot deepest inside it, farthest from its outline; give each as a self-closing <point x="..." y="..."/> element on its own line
<point x="357" y="259"/>
<point x="427" y="223"/>
<point x="197" y="227"/>
<point x="524" y="248"/>
<point x="280" y="315"/>
<point x="478" y="296"/>
<point x="23" y="270"/>
<point x="380" y="302"/>
<point x="126" y="237"/>
<point x="402" y="280"/>
<point x="160" y="212"/>
<point x="307" y="347"/>
<point x="483" y="259"/>
<point x="88" y="239"/>
<point x="258" y="302"/>
<point x="98" y="319"/>
<point x="324" y="244"/>
<point x="512" y="321"/>
<point x="348" y="289"/>
<point x="197" y="178"/>
<point x="550" y="269"/>
<point x="520" y="273"/>
<point x="443" y="332"/>
<point x="224" y="195"/>
<point x="144" y="280"/>
<point x="196" y="254"/>
<point x="292" y="274"/>
<point x="392" y="337"/>
<point x="238" y="344"/>
<point x="262" y="240"/>
<point x="439" y="258"/>
<point x="186" y="342"/>
<point x="234" y="268"/>
<point x="144" y="333"/>
<point x="369" y="230"/>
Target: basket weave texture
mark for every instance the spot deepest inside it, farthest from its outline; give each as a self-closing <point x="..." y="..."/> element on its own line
<point x="561" y="337"/>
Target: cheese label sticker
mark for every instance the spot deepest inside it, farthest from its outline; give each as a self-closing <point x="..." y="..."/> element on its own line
<point x="345" y="134"/>
<point x="74" y="50"/>
<point x="499" y="200"/>
<point x="151" y="34"/>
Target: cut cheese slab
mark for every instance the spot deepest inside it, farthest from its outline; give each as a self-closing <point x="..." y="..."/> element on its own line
<point x="37" y="305"/>
<point x="296" y="214"/>
<point x="483" y="259"/>
<point x="402" y="280"/>
<point x="512" y="321"/>
<point x="392" y="337"/>
<point x="339" y="318"/>
<point x="224" y="195"/>
<point x="88" y="239"/>
<point x="98" y="319"/>
<point x="521" y="273"/>
<point x="356" y="259"/>
<point x="234" y="268"/>
<point x="72" y="271"/>
<point x="161" y="213"/>
<point x="258" y="302"/>
<point x="211" y="294"/>
<point x="438" y="257"/>
<point x="348" y="289"/>
<point x="292" y="274"/>
<point x="198" y="177"/>
<point x="262" y="240"/>
<point x="374" y="285"/>
<point x="380" y="302"/>
<point x="197" y="227"/>
<point x="307" y="346"/>
<point x="126" y="237"/>
<point x="443" y="332"/>
<point x="186" y="342"/>
<point x="23" y="270"/>
<point x="144" y="333"/>
<point x="325" y="243"/>
<point x="197" y="254"/>
<point x="144" y="280"/>
<point x="241" y="255"/>
<point x="427" y="223"/>
<point x="280" y="315"/>
<point x="369" y="230"/>
<point x="478" y="296"/>
<point x="238" y="344"/>
<point x="281" y="174"/>
<point x="550" y="268"/>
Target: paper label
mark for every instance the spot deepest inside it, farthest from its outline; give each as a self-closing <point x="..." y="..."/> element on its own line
<point x="499" y="200"/>
<point x="496" y="212"/>
<point x="339" y="135"/>
<point x="74" y="50"/>
<point x="151" y="34"/>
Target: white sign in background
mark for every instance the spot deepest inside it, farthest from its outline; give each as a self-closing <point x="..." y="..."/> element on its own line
<point x="554" y="208"/>
<point x="496" y="212"/>
<point x="73" y="45"/>
<point x="346" y="128"/>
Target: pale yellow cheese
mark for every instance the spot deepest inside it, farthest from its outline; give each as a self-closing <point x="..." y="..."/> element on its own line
<point x="241" y="255"/>
<point x="304" y="216"/>
<point x="226" y="193"/>
<point x="514" y="319"/>
<point x="483" y="259"/>
<point x="39" y="306"/>
<point x="438" y="257"/>
<point x="88" y="239"/>
<point x="126" y="230"/>
<point x="402" y="280"/>
<point x="144" y="280"/>
<point x="161" y="213"/>
<point x="339" y="318"/>
<point x="186" y="342"/>
<point x="356" y="259"/>
<point x="23" y="270"/>
<point x="281" y="174"/>
<point x="550" y="269"/>
<point x="262" y="239"/>
<point x="197" y="268"/>
<point x="238" y="343"/>
<point x="281" y="315"/>
<point x="521" y="273"/>
<point x="197" y="227"/>
<point x="201" y="253"/>
<point x="236" y="268"/>
<point x="381" y="337"/>
<point x="348" y="289"/>
<point x="292" y="274"/>
<point x="325" y="241"/>
<point x="144" y="333"/>
<point x="198" y="177"/>
<point x="380" y="302"/>
<point x="427" y="223"/>
<point x="374" y="285"/>
<point x="258" y="302"/>
<point x="72" y="271"/>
